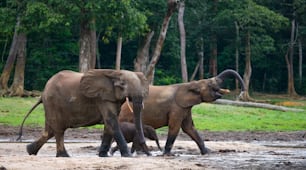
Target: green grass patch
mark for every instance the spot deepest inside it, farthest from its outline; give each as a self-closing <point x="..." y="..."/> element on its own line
<point x="14" y="109"/>
<point x="232" y="118"/>
<point x="206" y="116"/>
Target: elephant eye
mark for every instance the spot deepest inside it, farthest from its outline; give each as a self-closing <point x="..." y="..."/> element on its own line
<point x="214" y="87"/>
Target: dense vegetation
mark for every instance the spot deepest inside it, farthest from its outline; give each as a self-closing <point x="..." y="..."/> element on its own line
<point x="52" y="29"/>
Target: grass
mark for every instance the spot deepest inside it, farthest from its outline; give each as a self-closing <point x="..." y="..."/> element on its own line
<point x="206" y="116"/>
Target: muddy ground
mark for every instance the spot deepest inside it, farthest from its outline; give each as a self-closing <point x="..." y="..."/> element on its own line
<point x="230" y="150"/>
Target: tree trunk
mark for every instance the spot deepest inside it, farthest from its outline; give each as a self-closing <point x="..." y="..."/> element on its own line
<point x="256" y="105"/>
<point x="214" y="53"/>
<point x="213" y="66"/>
<point x="237" y="53"/>
<point x="182" y="40"/>
<point x="248" y="67"/>
<point x="200" y="65"/>
<point x="289" y="61"/>
<point x="172" y="4"/>
<point x="142" y="58"/>
<point x="118" y="52"/>
<point x="196" y="68"/>
<point x="17" y="88"/>
<point x="300" y="61"/>
<point x="10" y="59"/>
<point x="87" y="56"/>
<point x="98" y="64"/>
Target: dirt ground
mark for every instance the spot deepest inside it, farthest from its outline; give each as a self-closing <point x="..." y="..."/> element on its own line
<point x="230" y="150"/>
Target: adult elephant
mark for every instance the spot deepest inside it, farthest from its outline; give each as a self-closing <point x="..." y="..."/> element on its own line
<point x="73" y="99"/>
<point x="171" y="106"/>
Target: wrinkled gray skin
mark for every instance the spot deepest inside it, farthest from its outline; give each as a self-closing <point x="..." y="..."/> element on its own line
<point x="129" y="132"/>
<point x="171" y="106"/>
<point x="73" y="100"/>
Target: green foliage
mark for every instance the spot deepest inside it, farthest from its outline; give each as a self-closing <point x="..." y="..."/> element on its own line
<point x="53" y="29"/>
<point x="163" y="78"/>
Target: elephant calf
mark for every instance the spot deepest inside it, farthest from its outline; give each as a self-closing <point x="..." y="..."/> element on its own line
<point x="129" y="132"/>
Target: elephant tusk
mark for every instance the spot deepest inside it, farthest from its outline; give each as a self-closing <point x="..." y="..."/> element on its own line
<point x="224" y="91"/>
<point x="128" y="103"/>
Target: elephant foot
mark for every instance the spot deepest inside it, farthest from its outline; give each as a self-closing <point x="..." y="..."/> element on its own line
<point x="103" y="154"/>
<point x="32" y="149"/>
<point x="206" y="151"/>
<point x="168" y="154"/>
<point x="126" y="155"/>
<point x="62" y="154"/>
<point x="146" y="149"/>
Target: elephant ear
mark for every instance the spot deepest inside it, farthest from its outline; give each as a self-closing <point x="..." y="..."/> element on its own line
<point x="188" y="95"/>
<point x="100" y="83"/>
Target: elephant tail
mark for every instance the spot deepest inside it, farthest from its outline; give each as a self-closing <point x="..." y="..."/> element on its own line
<point x="27" y="115"/>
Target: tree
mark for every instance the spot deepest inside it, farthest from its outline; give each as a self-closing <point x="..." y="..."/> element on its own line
<point x="172" y="5"/>
<point x="252" y="19"/>
<point x="298" y="8"/>
<point x="24" y="25"/>
<point x="183" y="40"/>
<point x="126" y="22"/>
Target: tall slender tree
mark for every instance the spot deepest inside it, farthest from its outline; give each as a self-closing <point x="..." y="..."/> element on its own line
<point x="172" y="6"/>
<point x="182" y="40"/>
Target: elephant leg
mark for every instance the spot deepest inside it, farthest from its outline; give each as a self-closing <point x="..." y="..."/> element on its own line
<point x="121" y="141"/>
<point x="60" y="147"/>
<point x="111" y="131"/>
<point x="174" y="128"/>
<point x="136" y="146"/>
<point x="106" y="143"/>
<point x="34" y="147"/>
<point x="188" y="128"/>
<point x="114" y="149"/>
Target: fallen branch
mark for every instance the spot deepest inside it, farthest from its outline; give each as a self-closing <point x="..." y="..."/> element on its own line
<point x="257" y="105"/>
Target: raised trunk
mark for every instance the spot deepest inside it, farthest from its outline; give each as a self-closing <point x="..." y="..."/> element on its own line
<point x="17" y="88"/>
<point x="226" y="73"/>
<point x="183" y="41"/>
<point x="87" y="56"/>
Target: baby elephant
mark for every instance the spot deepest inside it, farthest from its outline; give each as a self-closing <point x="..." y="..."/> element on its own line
<point x="129" y="132"/>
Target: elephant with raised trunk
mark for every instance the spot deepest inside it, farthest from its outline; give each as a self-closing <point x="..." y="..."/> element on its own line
<point x="171" y="106"/>
<point x="73" y="100"/>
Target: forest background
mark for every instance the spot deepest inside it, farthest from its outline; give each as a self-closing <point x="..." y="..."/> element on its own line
<point x="170" y="41"/>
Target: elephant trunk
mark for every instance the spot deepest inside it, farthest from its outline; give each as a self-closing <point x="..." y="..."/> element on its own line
<point x="137" y="108"/>
<point x="226" y="73"/>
